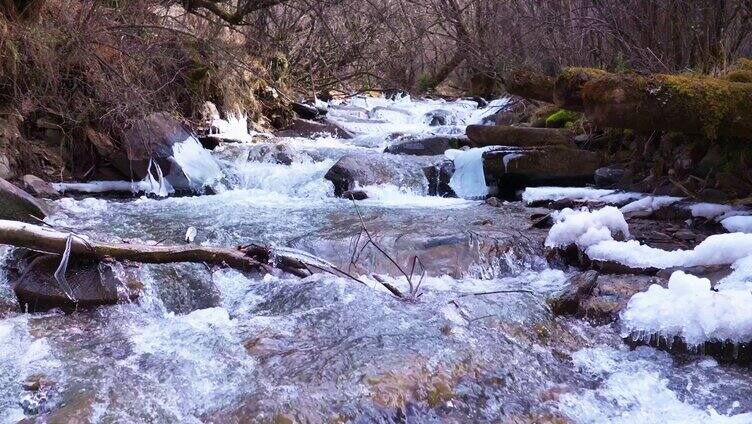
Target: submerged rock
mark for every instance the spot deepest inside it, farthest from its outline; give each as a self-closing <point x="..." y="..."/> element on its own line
<point x="17" y="205"/>
<point x="429" y="146"/>
<point x="354" y="171"/>
<point x="309" y="129"/>
<point x="92" y="283"/>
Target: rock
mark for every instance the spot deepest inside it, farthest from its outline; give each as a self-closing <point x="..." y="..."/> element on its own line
<point x="92" y="283"/>
<point x="279" y="153"/>
<point x="439" y="118"/>
<point x="610" y="177"/>
<point x="150" y="138"/>
<point x="307" y="128"/>
<point x="439" y="176"/>
<point x="39" y="188"/>
<point x="6" y="170"/>
<point x="578" y="288"/>
<point x="355" y="195"/>
<point x="484" y="135"/>
<point x="600" y="298"/>
<point x="17" y="205"/>
<point x="514" y="168"/>
<point x="430" y="146"/>
<point x="493" y="202"/>
<point x="358" y="170"/>
<point x="305" y="111"/>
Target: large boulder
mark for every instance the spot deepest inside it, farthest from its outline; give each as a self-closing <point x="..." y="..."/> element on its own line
<point x="428" y="146"/>
<point x="307" y="128"/>
<point x="151" y="138"/>
<point x="17" y="205"/>
<point x="499" y="135"/>
<point x="37" y="187"/>
<point x="511" y="169"/>
<point x="92" y="283"/>
<point x="353" y="171"/>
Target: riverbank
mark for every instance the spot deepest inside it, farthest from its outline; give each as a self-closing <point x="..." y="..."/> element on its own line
<point x="482" y="342"/>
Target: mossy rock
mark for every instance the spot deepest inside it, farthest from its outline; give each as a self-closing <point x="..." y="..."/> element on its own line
<point x="741" y="71"/>
<point x="561" y="118"/>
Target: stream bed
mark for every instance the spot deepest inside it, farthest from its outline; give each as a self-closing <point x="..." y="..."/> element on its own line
<point x="212" y="345"/>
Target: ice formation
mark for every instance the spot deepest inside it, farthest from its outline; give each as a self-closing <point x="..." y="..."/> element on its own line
<point x="648" y="205"/>
<point x="740" y="223"/>
<point x="689" y="309"/>
<point x="586" y="228"/>
<point x="197" y="164"/>
<point x="469" y="180"/>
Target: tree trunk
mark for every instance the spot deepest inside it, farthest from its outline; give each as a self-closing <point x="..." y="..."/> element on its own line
<point x="530" y="85"/>
<point x="245" y="258"/>
<point x="502" y="135"/>
<point x="687" y="104"/>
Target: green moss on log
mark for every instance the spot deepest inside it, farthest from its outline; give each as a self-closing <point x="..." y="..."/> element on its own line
<point x="530" y="85"/>
<point x="568" y="86"/>
<point x="682" y="103"/>
<point x="740" y="72"/>
<point x="561" y="118"/>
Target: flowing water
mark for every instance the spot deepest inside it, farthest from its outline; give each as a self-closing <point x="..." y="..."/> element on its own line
<point x="215" y="345"/>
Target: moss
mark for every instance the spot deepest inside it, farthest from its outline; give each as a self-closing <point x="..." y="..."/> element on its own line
<point x="561" y="118"/>
<point x="741" y="71"/>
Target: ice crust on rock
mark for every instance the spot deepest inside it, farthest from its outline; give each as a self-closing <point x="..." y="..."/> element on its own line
<point x="648" y="205"/>
<point x="585" y="194"/>
<point x="689" y="309"/>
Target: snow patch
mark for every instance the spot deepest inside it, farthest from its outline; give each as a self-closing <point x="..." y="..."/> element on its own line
<point x="585" y="228"/>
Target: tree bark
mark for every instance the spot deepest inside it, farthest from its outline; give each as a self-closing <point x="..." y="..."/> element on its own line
<point x="244" y="258"/>
<point x="693" y="105"/>
<point x="530" y="85"/>
<point x="502" y="135"/>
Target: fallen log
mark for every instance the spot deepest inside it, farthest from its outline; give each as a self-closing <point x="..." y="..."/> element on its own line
<point x="530" y="85"/>
<point x="567" y="90"/>
<point x="244" y="258"/>
<point x="688" y="104"/>
<point x="500" y="135"/>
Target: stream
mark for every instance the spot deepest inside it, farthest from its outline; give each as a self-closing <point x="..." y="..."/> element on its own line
<point x="214" y="345"/>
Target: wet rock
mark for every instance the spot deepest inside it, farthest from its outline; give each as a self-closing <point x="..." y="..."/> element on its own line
<point x="17" y="205"/>
<point x="92" y="283"/>
<point x="439" y="176"/>
<point x="600" y="298"/>
<point x="579" y="288"/>
<point x="307" y="128"/>
<point x="430" y="146"/>
<point x="493" y="202"/>
<point x="279" y="153"/>
<point x="513" y="168"/>
<point x="439" y="118"/>
<point x="484" y="135"/>
<point x="355" y="195"/>
<point x="610" y="177"/>
<point x="6" y="170"/>
<point x="38" y="187"/>
<point x="305" y="111"/>
<point x="353" y="171"/>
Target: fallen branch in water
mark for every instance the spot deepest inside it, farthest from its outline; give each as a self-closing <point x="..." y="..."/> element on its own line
<point x="244" y="258"/>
